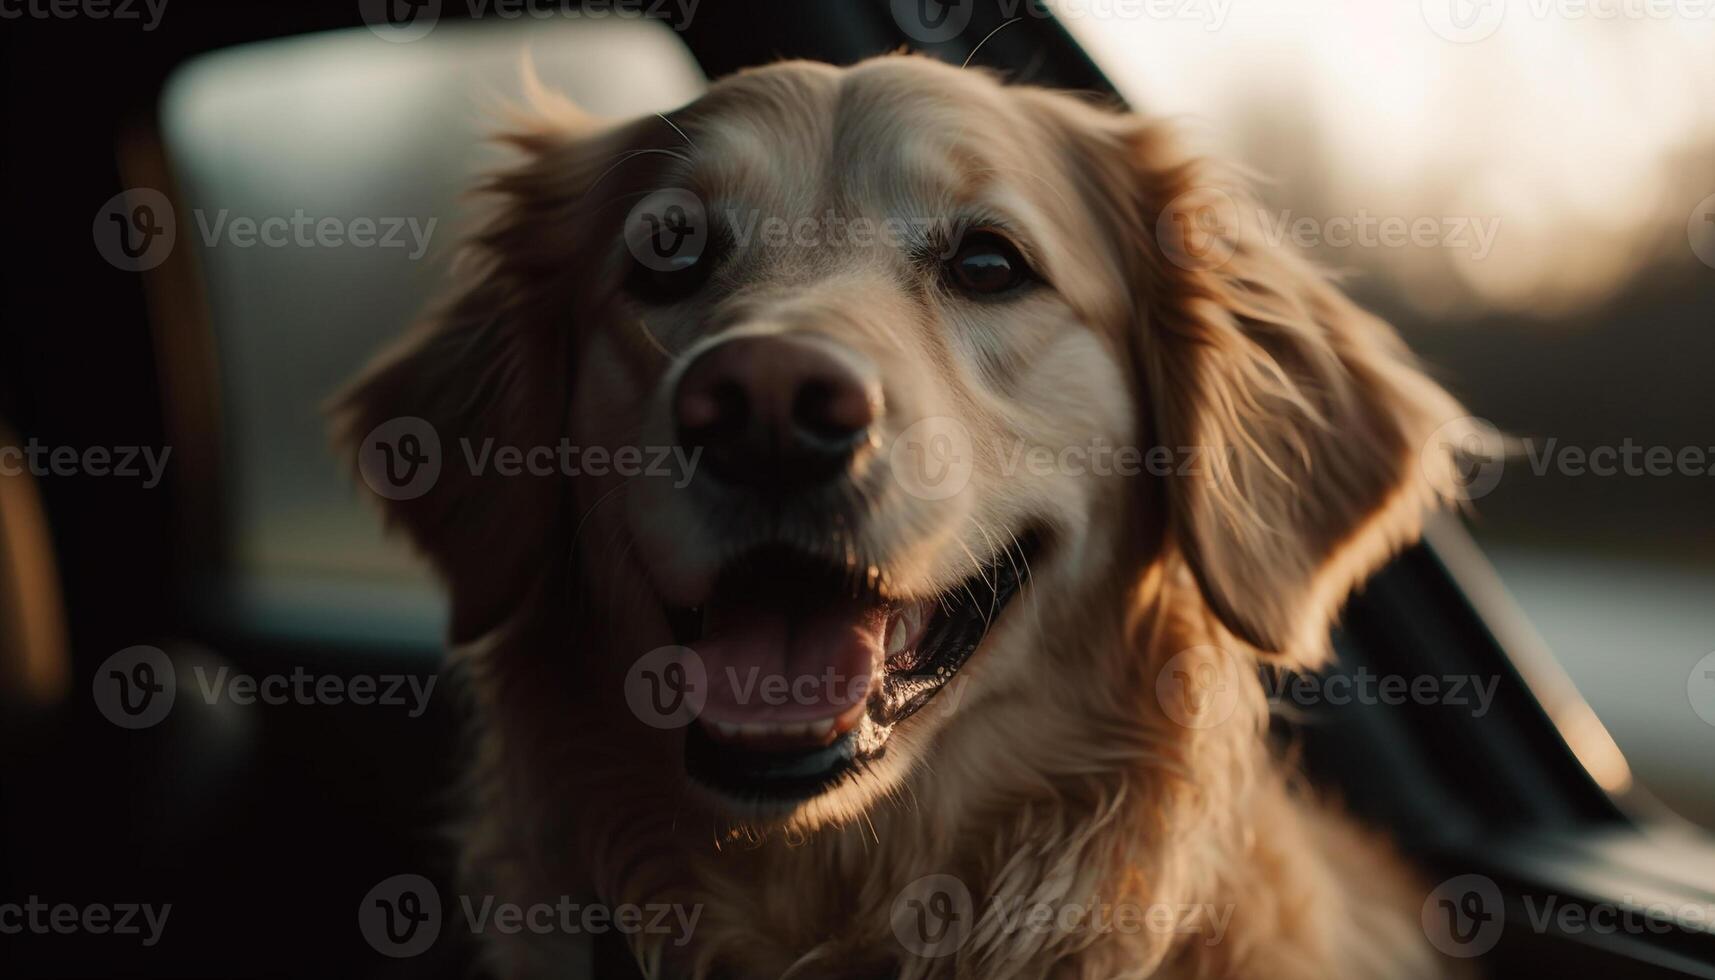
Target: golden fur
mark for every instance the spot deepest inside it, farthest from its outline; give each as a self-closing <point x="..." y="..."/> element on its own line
<point x="1051" y="772"/>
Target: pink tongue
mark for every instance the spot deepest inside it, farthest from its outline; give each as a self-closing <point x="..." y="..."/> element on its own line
<point x="770" y="664"/>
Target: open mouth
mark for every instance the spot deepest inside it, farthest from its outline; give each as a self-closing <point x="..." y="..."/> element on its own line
<point x="810" y="666"/>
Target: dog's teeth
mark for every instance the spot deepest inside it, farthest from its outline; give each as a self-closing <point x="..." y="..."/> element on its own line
<point x="903" y="626"/>
<point x="899" y="630"/>
<point x="763" y="730"/>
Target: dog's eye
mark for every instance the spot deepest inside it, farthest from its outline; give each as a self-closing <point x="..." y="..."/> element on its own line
<point x="673" y="247"/>
<point x="987" y="263"/>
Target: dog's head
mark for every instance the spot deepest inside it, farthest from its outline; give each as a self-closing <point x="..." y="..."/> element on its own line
<point x="885" y="381"/>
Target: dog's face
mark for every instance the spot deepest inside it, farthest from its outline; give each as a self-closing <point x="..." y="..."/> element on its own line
<point x="891" y="304"/>
<point x="938" y="392"/>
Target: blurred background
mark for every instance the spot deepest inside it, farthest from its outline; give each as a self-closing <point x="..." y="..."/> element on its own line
<point x="1566" y="162"/>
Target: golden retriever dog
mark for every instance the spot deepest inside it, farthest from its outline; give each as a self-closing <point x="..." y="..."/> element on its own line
<point x="998" y="473"/>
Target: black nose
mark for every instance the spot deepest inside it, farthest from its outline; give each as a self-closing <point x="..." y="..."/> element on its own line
<point x="778" y="412"/>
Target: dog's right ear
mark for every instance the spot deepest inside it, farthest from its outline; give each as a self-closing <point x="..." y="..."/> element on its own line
<point x="491" y="369"/>
<point x="1325" y="442"/>
<point x="1319" y="442"/>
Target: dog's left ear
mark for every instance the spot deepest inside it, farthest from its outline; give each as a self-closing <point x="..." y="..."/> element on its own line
<point x="1322" y="444"/>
